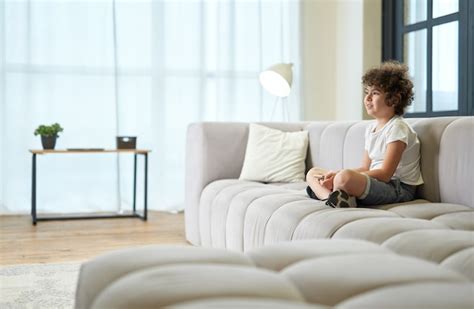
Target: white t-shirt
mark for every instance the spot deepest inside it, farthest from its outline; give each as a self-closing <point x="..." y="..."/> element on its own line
<point x="396" y="129"/>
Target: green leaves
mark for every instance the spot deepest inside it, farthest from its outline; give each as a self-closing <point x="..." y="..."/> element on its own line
<point x="51" y="130"/>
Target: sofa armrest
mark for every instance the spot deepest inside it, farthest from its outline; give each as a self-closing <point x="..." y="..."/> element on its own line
<point x="215" y="150"/>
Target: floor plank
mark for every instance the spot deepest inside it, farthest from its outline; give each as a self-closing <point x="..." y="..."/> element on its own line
<point x="79" y="240"/>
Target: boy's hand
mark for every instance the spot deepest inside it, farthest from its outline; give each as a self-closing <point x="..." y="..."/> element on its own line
<point x="327" y="180"/>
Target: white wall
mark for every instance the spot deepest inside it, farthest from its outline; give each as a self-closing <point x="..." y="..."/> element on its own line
<point x="318" y="28"/>
<point x="341" y="39"/>
<point x="372" y="37"/>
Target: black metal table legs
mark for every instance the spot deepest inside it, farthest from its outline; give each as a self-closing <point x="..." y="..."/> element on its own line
<point x="134" y="214"/>
<point x="33" y="190"/>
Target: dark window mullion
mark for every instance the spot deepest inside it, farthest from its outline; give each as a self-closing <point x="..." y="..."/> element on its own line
<point x="430" y="21"/>
<point x="445" y="19"/>
<point x="469" y="25"/>
<point x="388" y="29"/>
<point x="414" y="27"/>
<point x="400" y="43"/>
<point x="463" y="41"/>
<point x="429" y="58"/>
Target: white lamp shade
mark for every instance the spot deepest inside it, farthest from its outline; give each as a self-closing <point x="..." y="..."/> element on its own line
<point x="277" y="79"/>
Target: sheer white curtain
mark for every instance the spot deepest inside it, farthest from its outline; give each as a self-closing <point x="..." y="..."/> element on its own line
<point x="144" y="68"/>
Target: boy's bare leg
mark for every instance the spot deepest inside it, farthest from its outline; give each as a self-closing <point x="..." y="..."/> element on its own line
<point x="353" y="182"/>
<point x="312" y="179"/>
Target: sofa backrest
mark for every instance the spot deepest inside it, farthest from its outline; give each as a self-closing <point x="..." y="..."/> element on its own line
<point x="447" y="153"/>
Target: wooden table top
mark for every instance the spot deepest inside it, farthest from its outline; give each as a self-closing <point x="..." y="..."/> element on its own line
<point x="89" y="150"/>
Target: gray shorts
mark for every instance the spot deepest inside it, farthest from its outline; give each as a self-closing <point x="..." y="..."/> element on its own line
<point x="378" y="192"/>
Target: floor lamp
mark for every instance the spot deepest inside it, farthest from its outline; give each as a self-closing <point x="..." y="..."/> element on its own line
<point x="277" y="80"/>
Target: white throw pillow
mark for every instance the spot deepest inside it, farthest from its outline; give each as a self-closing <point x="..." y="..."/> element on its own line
<point x="274" y="156"/>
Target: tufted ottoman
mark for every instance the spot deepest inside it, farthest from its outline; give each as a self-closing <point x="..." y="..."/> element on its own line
<point x="311" y="273"/>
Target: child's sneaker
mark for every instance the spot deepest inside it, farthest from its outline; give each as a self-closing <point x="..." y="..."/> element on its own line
<point x="340" y="199"/>
<point x="310" y="193"/>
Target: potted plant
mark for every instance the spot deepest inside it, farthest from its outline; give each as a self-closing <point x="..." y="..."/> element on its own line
<point x="49" y="134"/>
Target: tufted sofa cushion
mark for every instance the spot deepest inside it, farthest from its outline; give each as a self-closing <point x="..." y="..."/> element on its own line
<point x="241" y="216"/>
<point x="299" y="274"/>
<point x="451" y="249"/>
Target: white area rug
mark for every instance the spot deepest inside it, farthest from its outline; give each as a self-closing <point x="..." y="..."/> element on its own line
<point x="38" y="285"/>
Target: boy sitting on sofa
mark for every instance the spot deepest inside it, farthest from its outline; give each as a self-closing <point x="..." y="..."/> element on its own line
<point x="390" y="168"/>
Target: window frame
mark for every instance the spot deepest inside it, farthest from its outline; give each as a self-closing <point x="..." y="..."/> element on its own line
<point x="393" y="30"/>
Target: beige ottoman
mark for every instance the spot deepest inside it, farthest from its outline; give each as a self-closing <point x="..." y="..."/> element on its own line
<point x="300" y="274"/>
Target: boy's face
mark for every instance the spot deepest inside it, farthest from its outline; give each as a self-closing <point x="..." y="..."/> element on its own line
<point x="375" y="103"/>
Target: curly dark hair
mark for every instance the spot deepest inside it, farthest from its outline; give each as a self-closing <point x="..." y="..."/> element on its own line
<point x="393" y="79"/>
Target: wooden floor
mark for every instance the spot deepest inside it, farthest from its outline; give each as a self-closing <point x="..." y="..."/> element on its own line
<point x="79" y="240"/>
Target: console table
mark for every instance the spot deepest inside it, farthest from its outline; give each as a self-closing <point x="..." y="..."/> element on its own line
<point x="134" y="214"/>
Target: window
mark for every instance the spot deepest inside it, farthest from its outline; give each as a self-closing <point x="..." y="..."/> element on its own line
<point x="435" y="39"/>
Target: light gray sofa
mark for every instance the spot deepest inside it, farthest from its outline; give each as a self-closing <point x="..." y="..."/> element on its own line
<point x="411" y="255"/>
<point x="224" y="212"/>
